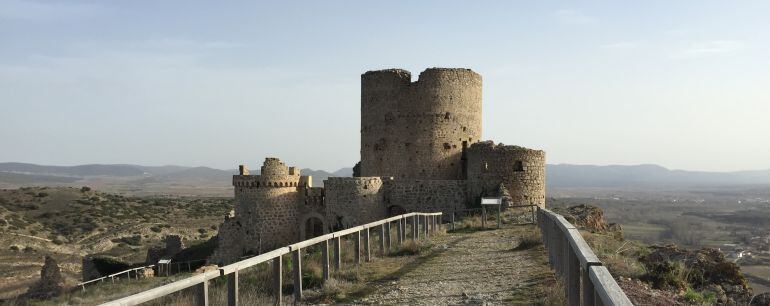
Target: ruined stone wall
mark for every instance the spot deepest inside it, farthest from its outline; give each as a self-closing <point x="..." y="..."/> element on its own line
<point x="521" y="170"/>
<point x="404" y="196"/>
<point x="417" y="130"/>
<point x="352" y="201"/>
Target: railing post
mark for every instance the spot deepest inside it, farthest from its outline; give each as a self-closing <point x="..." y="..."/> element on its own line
<point x="453" y="219"/>
<point x="388" y="239"/>
<point x="426" y="226"/>
<point x="367" y="246"/>
<point x="498" y="215"/>
<point x="202" y="291"/>
<point x="358" y="247"/>
<point x="278" y="279"/>
<point x="232" y="288"/>
<point x="400" y="231"/>
<point x="415" y="228"/>
<point x="296" y="265"/>
<point x="483" y="217"/>
<point x="325" y="255"/>
<point x="573" y="279"/>
<point x="382" y="239"/>
<point x="337" y="253"/>
<point x="588" y="289"/>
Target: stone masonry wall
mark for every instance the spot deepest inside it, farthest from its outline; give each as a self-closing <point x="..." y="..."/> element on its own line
<point x="521" y="170"/>
<point x="417" y="130"/>
<point x="352" y="201"/>
<point x="404" y="196"/>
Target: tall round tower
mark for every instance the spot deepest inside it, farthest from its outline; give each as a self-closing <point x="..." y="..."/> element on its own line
<point x="418" y="130"/>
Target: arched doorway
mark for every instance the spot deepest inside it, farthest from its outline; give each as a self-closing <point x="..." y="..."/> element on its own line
<point x="314" y="227"/>
<point x="395" y="210"/>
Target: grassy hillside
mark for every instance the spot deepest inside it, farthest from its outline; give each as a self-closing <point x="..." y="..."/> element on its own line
<point x="70" y="223"/>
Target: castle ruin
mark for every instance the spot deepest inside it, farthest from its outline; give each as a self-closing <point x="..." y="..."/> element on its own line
<point x="421" y="150"/>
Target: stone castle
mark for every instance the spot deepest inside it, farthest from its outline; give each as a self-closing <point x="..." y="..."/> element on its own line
<point x="421" y="150"/>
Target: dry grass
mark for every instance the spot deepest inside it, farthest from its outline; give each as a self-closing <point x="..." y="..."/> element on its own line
<point x="555" y="296"/>
<point x="529" y="240"/>
<point x="256" y="283"/>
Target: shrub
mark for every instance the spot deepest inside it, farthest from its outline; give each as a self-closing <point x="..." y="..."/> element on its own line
<point x="14" y="248"/>
<point x="409" y="247"/>
<point x="155" y="229"/>
<point x="58" y="241"/>
<point x="696" y="297"/>
<point x="42" y="194"/>
<point x="529" y="241"/>
<point x="85" y="189"/>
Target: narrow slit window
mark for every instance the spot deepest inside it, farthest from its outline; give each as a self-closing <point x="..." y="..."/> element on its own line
<point x="518" y="166"/>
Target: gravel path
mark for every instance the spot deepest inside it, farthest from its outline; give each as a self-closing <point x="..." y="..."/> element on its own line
<point x="479" y="268"/>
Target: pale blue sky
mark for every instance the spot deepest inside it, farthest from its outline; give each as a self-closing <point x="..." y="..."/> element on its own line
<point x="684" y="84"/>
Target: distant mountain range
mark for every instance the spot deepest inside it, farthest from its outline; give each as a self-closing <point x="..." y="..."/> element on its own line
<point x="561" y="175"/>
<point x="23" y="173"/>
<point x="565" y="175"/>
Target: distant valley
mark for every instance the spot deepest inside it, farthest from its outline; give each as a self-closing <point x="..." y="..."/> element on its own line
<point x="205" y="181"/>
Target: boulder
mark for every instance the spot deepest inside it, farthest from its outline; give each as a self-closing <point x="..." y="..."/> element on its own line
<point x="590" y="218"/>
<point x="707" y="269"/>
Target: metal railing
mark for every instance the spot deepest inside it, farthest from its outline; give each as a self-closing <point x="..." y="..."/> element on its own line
<point x="113" y="276"/>
<point x="573" y="260"/>
<point x="429" y="222"/>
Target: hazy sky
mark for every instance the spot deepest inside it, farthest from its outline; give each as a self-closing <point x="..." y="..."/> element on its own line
<point x="684" y="84"/>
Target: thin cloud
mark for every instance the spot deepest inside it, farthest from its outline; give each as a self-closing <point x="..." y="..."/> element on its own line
<point x="621" y="45"/>
<point x="25" y="10"/>
<point x="574" y="17"/>
<point x="714" y="47"/>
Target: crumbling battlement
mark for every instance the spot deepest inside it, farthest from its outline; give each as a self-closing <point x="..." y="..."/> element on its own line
<point x="274" y="173"/>
<point x="521" y="170"/>
<point x="417" y="130"/>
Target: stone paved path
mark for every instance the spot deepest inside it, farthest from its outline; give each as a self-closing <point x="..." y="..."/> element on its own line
<point x="479" y="268"/>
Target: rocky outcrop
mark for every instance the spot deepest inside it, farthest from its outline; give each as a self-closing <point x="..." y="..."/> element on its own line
<point x="590" y="218"/>
<point x="51" y="282"/>
<point x="669" y="267"/>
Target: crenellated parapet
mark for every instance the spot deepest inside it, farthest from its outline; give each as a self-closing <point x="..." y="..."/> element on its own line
<point x="273" y="174"/>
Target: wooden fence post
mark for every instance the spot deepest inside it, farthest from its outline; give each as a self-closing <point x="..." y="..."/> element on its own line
<point x="588" y="289"/>
<point x="387" y="236"/>
<point x="382" y="239"/>
<point x="358" y="247"/>
<point x="400" y="231"/>
<point x="367" y="246"/>
<point x="278" y="279"/>
<point x="498" y="215"/>
<point x="425" y="226"/>
<point x="232" y="288"/>
<point x="573" y="280"/>
<point x="297" y="267"/>
<point x="325" y="255"/>
<point x="483" y="217"/>
<point x="453" y="219"/>
<point x="202" y="291"/>
<point x="337" y="253"/>
<point x="415" y="228"/>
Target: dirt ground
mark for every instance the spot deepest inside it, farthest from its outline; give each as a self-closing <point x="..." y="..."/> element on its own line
<point x="475" y="267"/>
